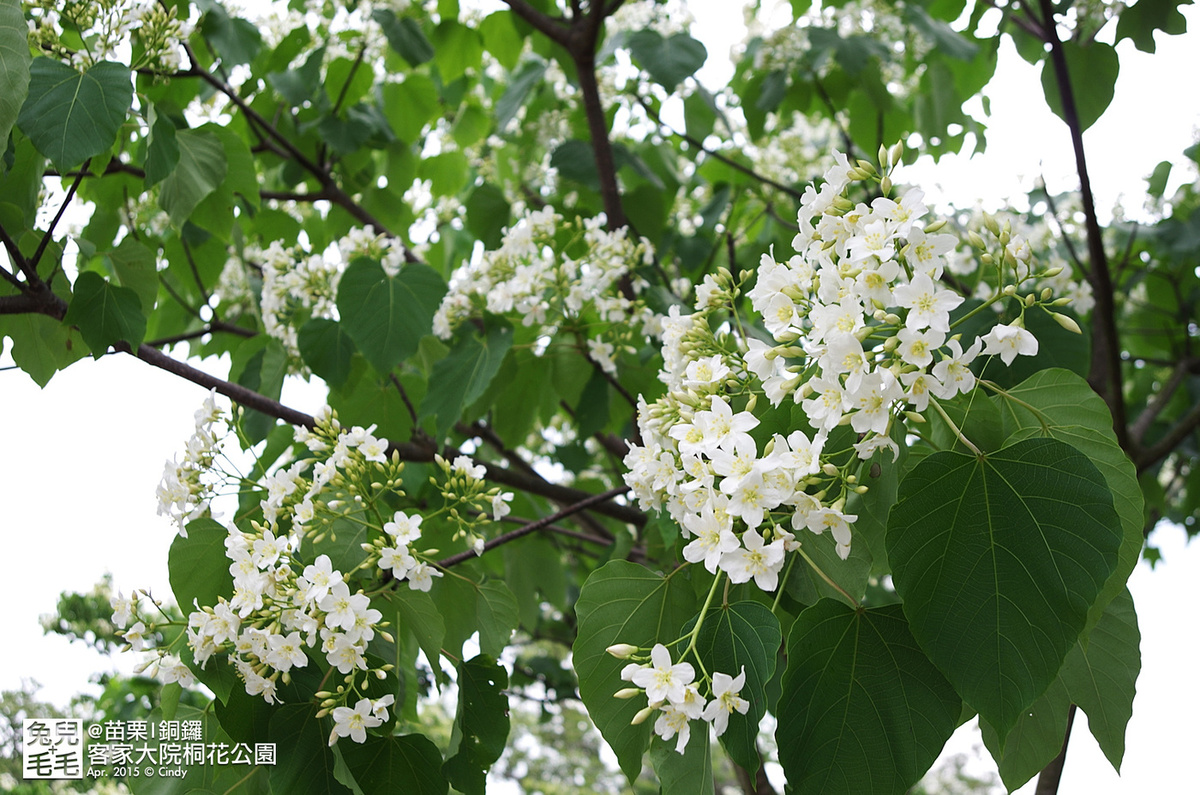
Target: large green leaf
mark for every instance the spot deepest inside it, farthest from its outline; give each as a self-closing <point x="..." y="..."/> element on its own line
<point x="200" y="171"/>
<point x="668" y="60"/>
<point x="387" y="316"/>
<point x="1099" y="677"/>
<point x="488" y="213"/>
<point x="418" y="614"/>
<point x="481" y="726"/>
<point x="742" y="634"/>
<point x="105" y="314"/>
<point x="41" y="345"/>
<point x="1093" y="67"/>
<point x="162" y="149"/>
<point x="689" y="773"/>
<point x="382" y="764"/>
<point x="304" y="761"/>
<point x="1078" y="416"/>
<point x="460" y="378"/>
<point x="457" y="49"/>
<point x="497" y="614"/>
<point x="71" y="116"/>
<point x="410" y="105"/>
<point x="327" y="349"/>
<point x="1102" y="676"/>
<point x="197" y="565"/>
<point x="1034" y="740"/>
<point x="405" y="36"/>
<point x="622" y="602"/>
<point x="998" y="560"/>
<point x="14" y="64"/>
<point x="862" y="708"/>
<point x="519" y="85"/>
<point x="136" y="267"/>
<point x="1140" y="20"/>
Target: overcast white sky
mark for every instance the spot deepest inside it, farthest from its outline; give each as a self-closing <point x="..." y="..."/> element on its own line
<point x="79" y="461"/>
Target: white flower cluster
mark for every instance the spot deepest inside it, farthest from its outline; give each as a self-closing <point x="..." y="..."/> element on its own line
<point x="860" y="322"/>
<point x="188" y="487"/>
<point x="532" y="275"/>
<point x="290" y="602"/>
<point x="107" y="27"/>
<point x="298" y="286"/>
<point x="1039" y="236"/>
<point x="164" y="665"/>
<point x="673" y="693"/>
<point x="295" y="288"/>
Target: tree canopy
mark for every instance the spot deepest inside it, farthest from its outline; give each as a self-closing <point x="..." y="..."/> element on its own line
<point x="669" y="404"/>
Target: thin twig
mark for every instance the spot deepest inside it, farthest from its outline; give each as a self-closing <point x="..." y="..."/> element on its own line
<point x="524" y="530"/>
<point x="33" y="261"/>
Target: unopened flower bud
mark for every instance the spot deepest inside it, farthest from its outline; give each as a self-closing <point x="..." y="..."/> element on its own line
<point x="1030" y="299"/>
<point x="897" y="152"/>
<point x="975" y="240"/>
<point x="627" y="692"/>
<point x="992" y="225"/>
<point x="1046" y="293"/>
<point x="1066" y="322"/>
<point x="829" y="469"/>
<point x="641" y="716"/>
<point x="622" y="651"/>
<point x="1050" y="274"/>
<point x="885" y="185"/>
<point x="936" y="226"/>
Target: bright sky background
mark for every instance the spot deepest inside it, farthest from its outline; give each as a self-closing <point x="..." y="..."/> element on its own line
<point x="79" y="460"/>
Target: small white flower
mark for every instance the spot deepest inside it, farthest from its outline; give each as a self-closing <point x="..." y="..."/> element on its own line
<point x="353" y="723"/>
<point x="404" y="528"/>
<point x="726" y="700"/>
<point x="500" y="507"/>
<point x="673" y="721"/>
<point x="1009" y="342"/>
<point x="662" y="680"/>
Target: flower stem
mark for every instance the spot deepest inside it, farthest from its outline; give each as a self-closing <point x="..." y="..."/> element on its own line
<point x="700" y="618"/>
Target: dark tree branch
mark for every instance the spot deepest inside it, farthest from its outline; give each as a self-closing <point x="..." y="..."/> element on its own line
<point x="1137" y="432"/>
<point x="412" y="411"/>
<point x="1186" y="426"/>
<point x="1105" y="372"/>
<point x="532" y="527"/>
<point x="328" y="183"/>
<point x="554" y="28"/>
<point x="406" y="450"/>
<point x="214" y="327"/>
<point x="9" y="277"/>
<point x="589" y="89"/>
<point x="1051" y="775"/>
<point x="14" y="252"/>
<point x="1024" y="24"/>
